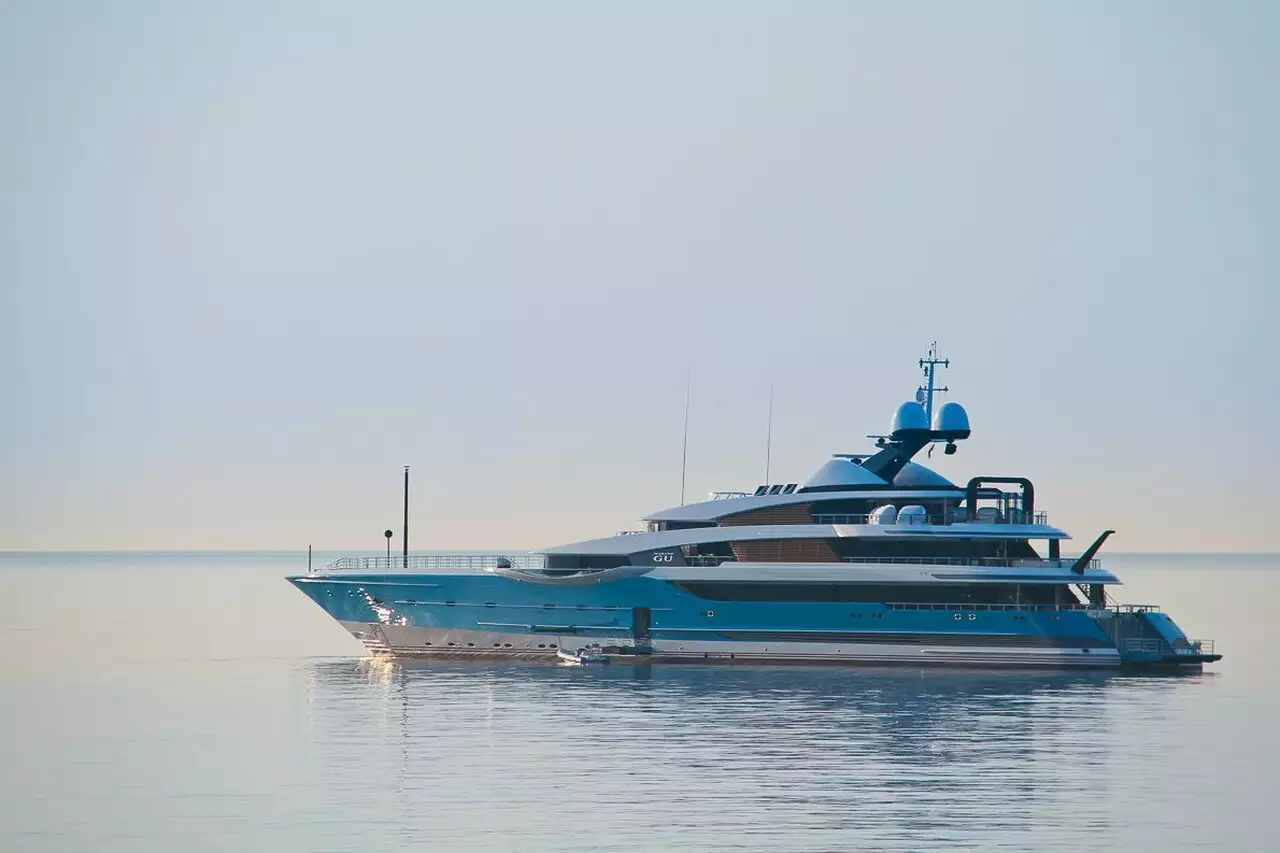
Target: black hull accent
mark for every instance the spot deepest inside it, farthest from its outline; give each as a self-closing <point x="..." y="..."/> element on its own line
<point x="1173" y="663"/>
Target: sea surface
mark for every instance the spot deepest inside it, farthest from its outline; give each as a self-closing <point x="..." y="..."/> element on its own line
<point x="196" y="702"/>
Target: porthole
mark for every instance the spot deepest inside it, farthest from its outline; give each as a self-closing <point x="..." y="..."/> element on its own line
<point x="506" y="645"/>
<point x="497" y="645"/>
<point x="972" y="616"/>
<point x="552" y="646"/>
<point x="450" y="603"/>
<point x="471" y="645"/>
<point x="708" y="613"/>
<point x="451" y="645"/>
<point x="542" y="645"/>
<point x="491" y="604"/>
<point x="548" y="607"/>
<point x="957" y="617"/>
<point x="428" y="642"/>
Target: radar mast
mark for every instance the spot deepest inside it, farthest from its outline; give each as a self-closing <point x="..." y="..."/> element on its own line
<point x="924" y="394"/>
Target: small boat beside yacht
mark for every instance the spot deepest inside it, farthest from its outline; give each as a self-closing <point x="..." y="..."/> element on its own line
<point x="873" y="558"/>
<point x="587" y="654"/>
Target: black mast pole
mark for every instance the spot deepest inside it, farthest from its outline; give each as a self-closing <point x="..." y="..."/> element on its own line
<point x="406" y="516"/>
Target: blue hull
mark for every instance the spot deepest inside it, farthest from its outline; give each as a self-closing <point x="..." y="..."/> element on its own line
<point x="428" y="614"/>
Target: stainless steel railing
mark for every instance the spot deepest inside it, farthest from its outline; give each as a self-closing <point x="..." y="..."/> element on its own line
<point x="970" y="605"/>
<point x="436" y="562"/>
<point x="1158" y="645"/>
<point x="482" y="562"/>
<point x="715" y="560"/>
<point x="1010" y="563"/>
<point x="1012" y="517"/>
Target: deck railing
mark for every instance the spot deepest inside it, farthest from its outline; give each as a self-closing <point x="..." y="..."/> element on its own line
<point x="1004" y="562"/>
<point x="482" y="562"/>
<point x="437" y="562"/>
<point x="999" y="562"/>
<point x="958" y="517"/>
<point x="1158" y="645"/>
<point x="968" y="606"/>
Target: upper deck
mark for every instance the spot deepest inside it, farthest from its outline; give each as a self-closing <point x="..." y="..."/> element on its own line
<point x="1031" y="569"/>
<point x="878" y="508"/>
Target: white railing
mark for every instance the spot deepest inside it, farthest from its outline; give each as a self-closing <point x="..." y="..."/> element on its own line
<point x="958" y="517"/>
<point x="534" y="562"/>
<point x="437" y="563"/>
<point x="1115" y="608"/>
<point x="998" y="562"/>
<point x="1158" y="645"/>
<point x="1003" y="562"/>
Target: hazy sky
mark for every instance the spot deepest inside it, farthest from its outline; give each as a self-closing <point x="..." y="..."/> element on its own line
<point x="256" y="256"/>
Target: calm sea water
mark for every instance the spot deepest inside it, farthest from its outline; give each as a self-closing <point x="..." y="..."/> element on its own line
<point x="195" y="701"/>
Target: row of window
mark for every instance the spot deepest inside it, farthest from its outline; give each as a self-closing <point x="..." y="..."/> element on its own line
<point x="495" y="645"/>
<point x="977" y="593"/>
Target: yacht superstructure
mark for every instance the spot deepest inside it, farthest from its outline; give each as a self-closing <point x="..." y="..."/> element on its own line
<point x="874" y="559"/>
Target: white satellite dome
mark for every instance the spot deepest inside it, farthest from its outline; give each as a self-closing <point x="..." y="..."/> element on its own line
<point x="910" y="417"/>
<point x="842" y="472"/>
<point x="882" y="515"/>
<point x="913" y="514"/>
<point x="952" y="420"/>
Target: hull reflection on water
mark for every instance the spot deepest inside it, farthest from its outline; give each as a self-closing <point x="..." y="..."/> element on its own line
<point x="881" y="754"/>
